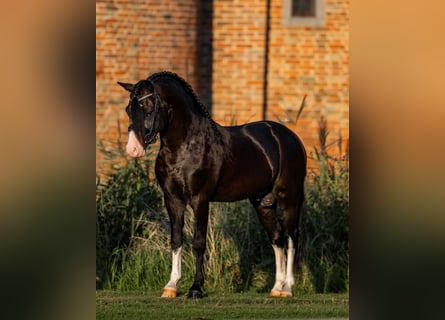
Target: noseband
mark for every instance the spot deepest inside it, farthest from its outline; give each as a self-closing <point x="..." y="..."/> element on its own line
<point x="150" y="137"/>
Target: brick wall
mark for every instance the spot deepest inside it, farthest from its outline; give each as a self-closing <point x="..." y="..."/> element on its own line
<point x="219" y="46"/>
<point x="312" y="61"/>
<point x="238" y="57"/>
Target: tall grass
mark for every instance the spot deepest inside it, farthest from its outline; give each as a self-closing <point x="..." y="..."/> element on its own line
<point x="133" y="234"/>
<point x="236" y="247"/>
<point x="123" y="203"/>
<point x="327" y="218"/>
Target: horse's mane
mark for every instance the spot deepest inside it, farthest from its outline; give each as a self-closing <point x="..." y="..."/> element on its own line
<point x="168" y="74"/>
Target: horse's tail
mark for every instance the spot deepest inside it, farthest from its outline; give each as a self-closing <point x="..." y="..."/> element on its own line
<point x="301" y="234"/>
<point x="302" y="210"/>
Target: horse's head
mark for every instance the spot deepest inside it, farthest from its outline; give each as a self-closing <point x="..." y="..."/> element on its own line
<point x="146" y="114"/>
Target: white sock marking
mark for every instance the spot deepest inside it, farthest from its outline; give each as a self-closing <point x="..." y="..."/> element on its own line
<point x="290" y="280"/>
<point x="175" y="275"/>
<point x="280" y="263"/>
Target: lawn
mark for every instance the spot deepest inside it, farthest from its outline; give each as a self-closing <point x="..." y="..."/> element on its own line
<point x="148" y="305"/>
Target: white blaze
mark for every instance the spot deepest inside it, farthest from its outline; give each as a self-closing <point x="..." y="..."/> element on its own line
<point x="134" y="147"/>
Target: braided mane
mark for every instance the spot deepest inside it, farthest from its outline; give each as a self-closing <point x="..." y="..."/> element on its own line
<point x="168" y="74"/>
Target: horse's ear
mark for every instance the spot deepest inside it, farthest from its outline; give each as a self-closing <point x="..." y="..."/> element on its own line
<point x="126" y="86"/>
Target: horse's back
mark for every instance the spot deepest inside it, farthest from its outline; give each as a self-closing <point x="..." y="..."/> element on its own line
<point x="272" y="137"/>
<point x="291" y="160"/>
<point x="259" y="153"/>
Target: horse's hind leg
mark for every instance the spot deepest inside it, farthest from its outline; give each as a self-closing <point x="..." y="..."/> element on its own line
<point x="291" y="208"/>
<point x="266" y="209"/>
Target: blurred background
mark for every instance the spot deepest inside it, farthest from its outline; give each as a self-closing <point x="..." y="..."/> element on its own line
<point x="47" y="164"/>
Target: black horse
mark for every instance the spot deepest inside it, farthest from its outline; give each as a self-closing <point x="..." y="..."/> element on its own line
<point x="200" y="161"/>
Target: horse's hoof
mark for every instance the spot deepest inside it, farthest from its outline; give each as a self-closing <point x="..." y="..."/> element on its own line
<point x="286" y="294"/>
<point x="168" y="293"/>
<point x="195" y="294"/>
<point x="274" y="293"/>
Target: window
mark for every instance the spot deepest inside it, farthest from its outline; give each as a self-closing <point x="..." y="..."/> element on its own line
<point x="303" y="12"/>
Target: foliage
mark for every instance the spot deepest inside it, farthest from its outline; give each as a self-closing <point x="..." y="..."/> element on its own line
<point x="123" y="202"/>
<point x="327" y="218"/>
<point x="237" y="257"/>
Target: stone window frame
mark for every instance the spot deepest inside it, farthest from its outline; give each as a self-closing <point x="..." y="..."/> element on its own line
<point x="317" y="21"/>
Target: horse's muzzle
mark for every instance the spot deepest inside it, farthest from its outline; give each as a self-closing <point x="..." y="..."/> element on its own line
<point x="134" y="147"/>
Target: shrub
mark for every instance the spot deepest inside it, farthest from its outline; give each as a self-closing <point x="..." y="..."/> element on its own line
<point x="327" y="218"/>
<point x="123" y="203"/>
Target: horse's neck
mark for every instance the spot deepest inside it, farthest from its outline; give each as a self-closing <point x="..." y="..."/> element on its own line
<point x="183" y="126"/>
<point x="183" y="132"/>
<point x="187" y="121"/>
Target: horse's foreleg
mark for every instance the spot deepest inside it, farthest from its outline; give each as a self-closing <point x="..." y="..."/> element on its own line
<point x="170" y="290"/>
<point x="176" y="214"/>
<point x="201" y="211"/>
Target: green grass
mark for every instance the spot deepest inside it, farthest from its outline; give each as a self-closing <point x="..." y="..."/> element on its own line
<point x="248" y="305"/>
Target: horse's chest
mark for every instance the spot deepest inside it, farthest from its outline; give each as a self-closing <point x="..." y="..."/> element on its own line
<point x="184" y="172"/>
<point x="175" y="170"/>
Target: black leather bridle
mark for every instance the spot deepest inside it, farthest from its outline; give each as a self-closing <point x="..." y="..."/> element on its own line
<point x="151" y="136"/>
